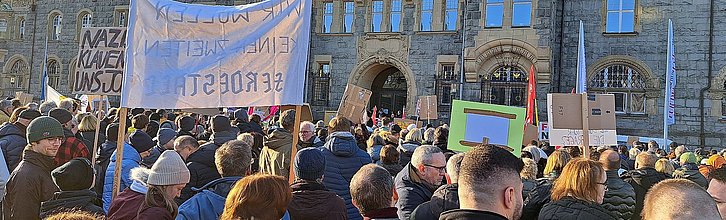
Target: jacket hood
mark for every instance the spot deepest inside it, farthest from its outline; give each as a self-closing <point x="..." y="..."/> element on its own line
<point x="279" y="138"/>
<point x="647" y="176"/>
<point x="445" y="198"/>
<point x="67" y="199"/>
<point x="222" y="137"/>
<point x="342" y="144"/>
<point x="10" y="129"/>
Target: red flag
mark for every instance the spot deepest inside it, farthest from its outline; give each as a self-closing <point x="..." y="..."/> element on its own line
<point x="531" y="97"/>
<point x="375" y="115"/>
<point x="250" y="110"/>
<point x="403" y="116"/>
<point x="273" y="111"/>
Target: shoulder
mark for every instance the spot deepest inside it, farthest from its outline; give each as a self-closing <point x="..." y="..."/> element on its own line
<point x="154" y="213"/>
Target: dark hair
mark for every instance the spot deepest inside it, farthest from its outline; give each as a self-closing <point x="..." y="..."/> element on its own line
<point x="574" y="151"/>
<point x="389" y="154"/>
<point x="152" y="128"/>
<point x="154" y="117"/>
<point x="339" y="123"/>
<point x="255" y="118"/>
<point x="140" y="121"/>
<point x="112" y="132"/>
<point x="441" y="134"/>
<point x="483" y="165"/>
<point x="623" y="150"/>
<point x="718" y="174"/>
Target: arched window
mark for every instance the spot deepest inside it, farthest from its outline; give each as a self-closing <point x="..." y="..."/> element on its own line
<point x="57" y="22"/>
<point x="53" y="73"/>
<point x="21" y="28"/>
<point x="17" y="74"/>
<point x="623" y="81"/>
<point x="86" y="20"/>
<point x="506" y="85"/>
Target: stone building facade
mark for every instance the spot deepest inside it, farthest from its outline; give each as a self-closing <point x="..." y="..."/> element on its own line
<point x="476" y="50"/>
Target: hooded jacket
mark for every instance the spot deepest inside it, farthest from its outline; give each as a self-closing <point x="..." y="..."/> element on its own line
<point x="412" y="191"/>
<point x="375" y="152"/>
<point x="12" y="142"/>
<point x="201" y="165"/>
<point x="126" y="205"/>
<point x="315" y="142"/>
<point x="130" y="159"/>
<point x="538" y="197"/>
<point x="311" y="200"/>
<point x="620" y="197"/>
<point x="690" y="172"/>
<point x="445" y="198"/>
<point x="343" y="159"/>
<point x="406" y="149"/>
<point x="83" y="200"/>
<point x="642" y="180"/>
<point x="275" y="155"/>
<point x="569" y="208"/>
<point x="29" y="185"/>
<point x="208" y="202"/>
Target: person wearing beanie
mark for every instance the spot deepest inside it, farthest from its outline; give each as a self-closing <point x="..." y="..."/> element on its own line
<point x="201" y="162"/>
<point x="233" y="163"/>
<point x="6" y="109"/>
<point x="72" y="146"/>
<point x="689" y="170"/>
<point x="12" y="138"/>
<point x="242" y="121"/>
<point x="30" y="183"/>
<point x="166" y="179"/>
<point x="126" y="204"/>
<point x="164" y="141"/>
<point x="74" y="179"/>
<point x="186" y="125"/>
<point x="310" y="198"/>
<point x="103" y="157"/>
<point x="137" y="148"/>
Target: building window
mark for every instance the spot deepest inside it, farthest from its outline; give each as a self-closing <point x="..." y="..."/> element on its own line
<point x="21" y="28"/>
<point x="620" y="16"/>
<point x="86" y="20"/>
<point x="377" y="16"/>
<point x="521" y="13"/>
<point x="122" y="15"/>
<point x="17" y="74"/>
<point x="427" y="13"/>
<point x="396" y="15"/>
<point x="56" y="28"/>
<point x="445" y="79"/>
<point x="452" y="15"/>
<point x="625" y="83"/>
<point x="348" y="17"/>
<point x="507" y="85"/>
<point x="494" y="13"/>
<point x="53" y="73"/>
<point x="321" y="85"/>
<point x="327" y="17"/>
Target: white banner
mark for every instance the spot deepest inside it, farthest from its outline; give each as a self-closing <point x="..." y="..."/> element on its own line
<point x="200" y="56"/>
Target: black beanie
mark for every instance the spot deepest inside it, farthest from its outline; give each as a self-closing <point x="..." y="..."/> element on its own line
<point x="76" y="174"/>
<point x="186" y="123"/>
<point x="220" y="123"/>
<point x="141" y="141"/>
<point x="112" y="132"/>
<point x="62" y="115"/>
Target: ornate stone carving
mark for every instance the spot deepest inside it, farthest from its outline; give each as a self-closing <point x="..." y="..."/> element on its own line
<point x="383" y="47"/>
<point x="20" y="3"/>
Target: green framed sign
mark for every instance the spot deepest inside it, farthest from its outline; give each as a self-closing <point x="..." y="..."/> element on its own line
<point x="472" y="122"/>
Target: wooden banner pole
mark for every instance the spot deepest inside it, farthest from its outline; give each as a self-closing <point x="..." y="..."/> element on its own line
<point x="98" y="131"/>
<point x="119" y="150"/>
<point x="585" y="126"/>
<point x="295" y="140"/>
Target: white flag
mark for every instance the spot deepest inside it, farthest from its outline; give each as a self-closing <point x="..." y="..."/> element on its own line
<point x="670" y="97"/>
<point x="53" y="95"/>
<point x="581" y="68"/>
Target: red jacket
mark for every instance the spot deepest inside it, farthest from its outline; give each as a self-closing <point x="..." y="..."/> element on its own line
<point x="126" y="205"/>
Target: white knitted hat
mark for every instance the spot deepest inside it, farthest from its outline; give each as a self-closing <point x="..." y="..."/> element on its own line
<point x="169" y="169"/>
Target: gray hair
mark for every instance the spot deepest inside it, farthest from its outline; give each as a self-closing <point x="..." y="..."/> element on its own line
<point x="47" y="106"/>
<point x="423" y="154"/>
<point x="140" y="174"/>
<point x="371" y="188"/>
<point x="453" y="166"/>
<point x="307" y="124"/>
<point x="66" y="104"/>
<point x="233" y="158"/>
<point x="429" y="135"/>
<point x="5" y="104"/>
<point x="32" y="105"/>
<point x="287" y="119"/>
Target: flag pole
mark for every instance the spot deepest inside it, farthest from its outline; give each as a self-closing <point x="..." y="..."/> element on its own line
<point x="44" y="76"/>
<point x="668" y="90"/>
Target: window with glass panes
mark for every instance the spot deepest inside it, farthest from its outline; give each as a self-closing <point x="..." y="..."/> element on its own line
<point x="327" y="17"/>
<point x="121" y="18"/>
<point x="427" y="13"/>
<point x="321" y="85"/>
<point x="21" y="29"/>
<point x="521" y="13"/>
<point x="494" y="13"/>
<point x="445" y="79"/>
<point x="620" y="16"/>
<point x="348" y="17"/>
<point x="56" y="28"/>
<point x="396" y="15"/>
<point x="377" y="16"/>
<point x="507" y="85"/>
<point x="451" y="15"/>
<point x="87" y="20"/>
<point x="623" y="81"/>
<point x="17" y="74"/>
<point x="53" y="73"/>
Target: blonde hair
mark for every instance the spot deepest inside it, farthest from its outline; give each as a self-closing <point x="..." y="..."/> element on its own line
<point x="579" y="178"/>
<point x="529" y="172"/>
<point x="259" y="196"/>
<point x="664" y="166"/>
<point x="415" y="134"/>
<point x="74" y="215"/>
<point x="645" y="159"/>
<point x="556" y="161"/>
<point x="88" y="123"/>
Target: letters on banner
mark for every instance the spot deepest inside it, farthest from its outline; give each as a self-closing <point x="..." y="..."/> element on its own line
<point x="200" y="56"/>
<point x="565" y="117"/>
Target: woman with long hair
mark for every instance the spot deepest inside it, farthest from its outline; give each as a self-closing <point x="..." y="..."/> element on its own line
<point x="540" y="195"/>
<point x="258" y="197"/>
<point x="578" y="193"/>
<point x="375" y="143"/>
<point x="167" y="178"/>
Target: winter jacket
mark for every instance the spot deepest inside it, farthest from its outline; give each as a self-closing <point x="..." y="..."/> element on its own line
<point x="29" y="185"/>
<point x="627" y="164"/>
<point x="275" y="155"/>
<point x="406" y="150"/>
<point x="690" y="172"/>
<point x="466" y="214"/>
<point x="311" y="200"/>
<point x="155" y="212"/>
<point x="256" y="128"/>
<point x="84" y="200"/>
<point x="201" y="165"/>
<point x="208" y="202"/>
<point x="343" y="159"/>
<point x="569" y="208"/>
<point x="126" y="205"/>
<point x="381" y="214"/>
<point x="72" y="147"/>
<point x="412" y="191"/>
<point x="393" y="169"/>
<point x="12" y="142"/>
<point x="445" y="198"/>
<point x="642" y="180"/>
<point x="620" y="197"/>
<point x="314" y="143"/>
<point x="131" y="159"/>
<point x="153" y="156"/>
<point x="89" y="137"/>
<point x="375" y="152"/>
<point x="527" y="187"/>
<point x="538" y="197"/>
<point x="103" y="157"/>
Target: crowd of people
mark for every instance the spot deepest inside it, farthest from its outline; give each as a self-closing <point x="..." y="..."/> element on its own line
<point x="232" y="165"/>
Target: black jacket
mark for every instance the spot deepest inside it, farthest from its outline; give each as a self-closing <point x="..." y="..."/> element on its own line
<point x="465" y="214"/>
<point x="103" y="157"/>
<point x="569" y="208"/>
<point x="538" y="197"/>
<point x="311" y="200"/>
<point x="445" y="198"/>
<point x="411" y="193"/>
<point x="12" y="142"/>
<point x="642" y="180"/>
<point x="201" y="165"/>
<point x="83" y="200"/>
<point x="690" y="172"/>
<point x="89" y="138"/>
<point x="620" y="197"/>
<point x="29" y="185"/>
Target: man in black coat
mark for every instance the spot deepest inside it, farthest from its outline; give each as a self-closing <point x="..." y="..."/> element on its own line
<point x="418" y="180"/>
<point x="12" y="137"/>
<point x="620" y="197"/>
<point x="643" y="178"/>
<point x="446" y="197"/>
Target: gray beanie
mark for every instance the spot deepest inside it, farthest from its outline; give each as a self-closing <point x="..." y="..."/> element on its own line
<point x="169" y="169"/>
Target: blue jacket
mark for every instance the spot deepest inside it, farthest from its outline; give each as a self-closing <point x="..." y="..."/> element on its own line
<point x="131" y="159"/>
<point x="375" y="152"/>
<point x="343" y="159"/>
<point x="208" y="203"/>
<point x="12" y="142"/>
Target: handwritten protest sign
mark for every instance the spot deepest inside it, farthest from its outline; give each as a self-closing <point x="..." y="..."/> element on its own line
<point x="208" y="56"/>
<point x="354" y="102"/>
<point x="564" y="113"/>
<point x="101" y="58"/>
<point x="24" y="98"/>
<point x="471" y="122"/>
<point x="429" y="106"/>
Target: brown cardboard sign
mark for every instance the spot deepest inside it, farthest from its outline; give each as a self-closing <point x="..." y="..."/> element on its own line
<point x="428" y="107"/>
<point x="24" y="98"/>
<point x="531" y="132"/>
<point x="566" y="111"/>
<point x="305" y="115"/>
<point x="106" y="78"/>
<point x="354" y="102"/>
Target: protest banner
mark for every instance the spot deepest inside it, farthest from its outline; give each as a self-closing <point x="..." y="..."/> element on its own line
<point x="24" y="98"/>
<point x="544" y="131"/>
<point x="354" y="102"/>
<point x="631" y="140"/>
<point x="200" y="56"/>
<point x="566" y="122"/>
<point x="472" y="122"/>
<point x="329" y="115"/>
<point x="305" y="115"/>
<point x="530" y="134"/>
<point x="404" y="123"/>
<point x="429" y="107"/>
<point x="99" y="70"/>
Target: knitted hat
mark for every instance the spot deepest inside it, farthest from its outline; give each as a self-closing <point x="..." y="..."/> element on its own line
<point x="43" y="127"/>
<point x="717" y="161"/>
<point x="76" y="174"/>
<point x="169" y="169"/>
<point x="240" y="115"/>
<point x="29" y="114"/>
<point x="186" y="123"/>
<point x="688" y="157"/>
<point x="309" y="164"/>
<point x="141" y="141"/>
<point x="164" y="136"/>
<point x="62" y="115"/>
<point x="220" y="123"/>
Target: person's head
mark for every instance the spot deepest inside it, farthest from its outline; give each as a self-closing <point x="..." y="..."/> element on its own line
<point x="45" y="135"/>
<point x="679" y="150"/>
<point x="309" y="164"/>
<point x="623" y="150"/>
<point x="556" y="162"/>
<point x="688" y="157"/>
<point x="7" y="106"/>
<point x="155" y="117"/>
<point x="441" y="134"/>
<point x="633" y="154"/>
<point x="139" y="121"/>
<point x="32" y="105"/>
<point x="142" y="142"/>
<point x="233" y="158"/>
<point x="339" y="124"/>
<point x="322" y="133"/>
<point x="533" y="151"/>
<point x="371" y="188"/>
<point x="489" y="181"/>
<point x="165" y="138"/>
<point x="220" y="123"/>
<point x="258" y="196"/>
<point x="582" y="179"/>
<point x="429" y="135"/>
<point x="664" y="166"/>
<point x="167" y="178"/>
<point x="67" y="104"/>
<point x="529" y="172"/>
<point x="307" y="130"/>
<point x="610" y="160"/>
<point x="64" y="117"/>
<point x="375" y="139"/>
<point x="717" y="188"/>
<point x="27" y="115"/>
<point x="76" y="174"/>
<point x="652" y="146"/>
<point x="47" y="106"/>
<point x="186" y="124"/>
<point x="74" y="215"/>
<point x="287" y="119"/>
<point x="185" y="145"/>
<point x="679" y="199"/>
<point x="645" y="160"/>
<point x="574" y="151"/>
<point x="415" y="135"/>
<point x="16" y="114"/>
<point x="389" y="154"/>
<point x="430" y="164"/>
<point x="88" y="123"/>
<point x="453" y="167"/>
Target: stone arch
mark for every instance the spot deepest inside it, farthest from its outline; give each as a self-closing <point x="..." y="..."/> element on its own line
<point x="651" y="81"/>
<point x="12" y="60"/>
<point x="367" y="70"/>
<point x="493" y="54"/>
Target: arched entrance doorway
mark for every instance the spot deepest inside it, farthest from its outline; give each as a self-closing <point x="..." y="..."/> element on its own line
<point x="389" y="89"/>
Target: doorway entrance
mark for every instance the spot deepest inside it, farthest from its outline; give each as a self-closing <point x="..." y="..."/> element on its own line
<point x="389" y="92"/>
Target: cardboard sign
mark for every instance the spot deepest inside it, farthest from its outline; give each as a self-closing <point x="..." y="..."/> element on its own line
<point x="632" y="139"/>
<point x="354" y="102"/>
<point x="472" y="122"/>
<point x="305" y="115"/>
<point x="544" y="131"/>
<point x="565" y="114"/>
<point x="101" y="59"/>
<point x="404" y="123"/>
<point x="24" y="98"/>
<point x="530" y="133"/>
<point x="429" y="107"/>
<point x="329" y="115"/>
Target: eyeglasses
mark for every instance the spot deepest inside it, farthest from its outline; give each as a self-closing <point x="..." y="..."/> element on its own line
<point x="441" y="169"/>
<point x="605" y="185"/>
<point x="303" y="132"/>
